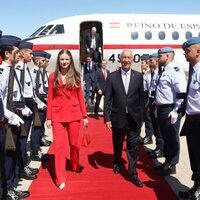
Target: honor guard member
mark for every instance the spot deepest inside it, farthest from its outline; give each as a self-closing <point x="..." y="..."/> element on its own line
<point x="191" y="127"/>
<point x="171" y="82"/>
<point x="40" y="116"/>
<point x="153" y="64"/>
<point x="13" y="107"/>
<point x="44" y="76"/>
<point x="24" y="76"/>
<point x="146" y="82"/>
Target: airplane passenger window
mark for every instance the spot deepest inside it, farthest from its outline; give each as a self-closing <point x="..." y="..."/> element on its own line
<point x="58" y="29"/>
<point x="134" y="35"/>
<point x="148" y="35"/>
<point x="175" y="35"/>
<point x="161" y="35"/>
<point x="36" y="32"/>
<point x="188" y="35"/>
<point x="46" y="30"/>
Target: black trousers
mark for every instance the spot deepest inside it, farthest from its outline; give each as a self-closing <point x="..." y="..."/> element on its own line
<point x="132" y="134"/>
<point x="98" y="99"/>
<point x="148" y="123"/>
<point x="170" y="134"/>
<point x="193" y="141"/>
<point x="156" y="127"/>
<point x="2" y="166"/>
<point x="11" y="159"/>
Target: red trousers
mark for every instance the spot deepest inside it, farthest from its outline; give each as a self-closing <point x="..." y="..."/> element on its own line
<point x="60" y="133"/>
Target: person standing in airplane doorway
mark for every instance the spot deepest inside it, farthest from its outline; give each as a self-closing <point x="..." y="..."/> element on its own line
<point x="93" y="44"/>
<point x="65" y="109"/>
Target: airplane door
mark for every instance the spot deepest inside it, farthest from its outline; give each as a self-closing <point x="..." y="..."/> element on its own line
<point x="85" y="27"/>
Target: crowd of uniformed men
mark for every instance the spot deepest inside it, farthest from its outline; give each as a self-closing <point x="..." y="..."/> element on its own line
<point x="168" y="96"/>
<point x="23" y="93"/>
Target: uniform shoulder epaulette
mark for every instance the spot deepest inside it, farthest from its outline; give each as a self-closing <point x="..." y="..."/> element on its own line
<point x="1" y="70"/>
<point x="176" y="69"/>
<point x="18" y="67"/>
<point x="35" y="71"/>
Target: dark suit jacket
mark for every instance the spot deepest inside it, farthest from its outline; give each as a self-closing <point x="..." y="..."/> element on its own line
<point x="116" y="100"/>
<point x="87" y="74"/>
<point x="100" y="80"/>
<point x="88" y="41"/>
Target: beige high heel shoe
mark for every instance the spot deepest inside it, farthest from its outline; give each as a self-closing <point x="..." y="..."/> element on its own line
<point x="62" y="185"/>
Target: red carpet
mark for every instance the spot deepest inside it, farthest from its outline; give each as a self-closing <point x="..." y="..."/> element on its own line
<point x="97" y="180"/>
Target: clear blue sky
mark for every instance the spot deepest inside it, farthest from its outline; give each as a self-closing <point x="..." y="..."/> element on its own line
<point x="23" y="17"/>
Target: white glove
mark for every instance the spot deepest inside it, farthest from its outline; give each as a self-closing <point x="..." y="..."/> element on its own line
<point x="41" y="106"/>
<point x="88" y="50"/>
<point x="15" y="120"/>
<point x="173" y="115"/>
<point x="155" y="113"/>
<point x="26" y="112"/>
<point x="100" y="50"/>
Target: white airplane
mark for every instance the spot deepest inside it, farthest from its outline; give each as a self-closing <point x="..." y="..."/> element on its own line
<point x="142" y="33"/>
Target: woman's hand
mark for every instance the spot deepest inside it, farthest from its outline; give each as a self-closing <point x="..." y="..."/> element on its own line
<point x="48" y="123"/>
<point x="85" y="122"/>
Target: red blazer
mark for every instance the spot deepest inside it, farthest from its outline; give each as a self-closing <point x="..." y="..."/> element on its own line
<point x="63" y="104"/>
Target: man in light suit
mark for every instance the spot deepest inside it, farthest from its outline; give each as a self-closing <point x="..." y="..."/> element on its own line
<point x="124" y="113"/>
<point x="101" y="76"/>
<point x="93" y="44"/>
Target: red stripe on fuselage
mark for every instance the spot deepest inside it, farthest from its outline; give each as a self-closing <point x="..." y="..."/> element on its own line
<point x="105" y="47"/>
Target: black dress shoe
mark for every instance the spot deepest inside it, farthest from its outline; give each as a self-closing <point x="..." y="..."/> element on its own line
<point x="196" y="195"/>
<point x="157" y="154"/>
<point x="160" y="167"/>
<point x="147" y="140"/>
<point x="136" y="181"/>
<point x="33" y="170"/>
<point x="44" y="142"/>
<point x="186" y="194"/>
<point x="117" y="168"/>
<point x="140" y="140"/>
<point x="36" y="156"/>
<point x="26" y="174"/>
<point x="168" y="169"/>
<point x="22" y="194"/>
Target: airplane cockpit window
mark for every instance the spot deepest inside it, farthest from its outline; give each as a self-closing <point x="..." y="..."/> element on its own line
<point x="36" y="32"/>
<point x="161" y="35"/>
<point x="46" y="30"/>
<point x="134" y="35"/>
<point x="148" y="35"/>
<point x="175" y="35"/>
<point x="188" y="35"/>
<point x="58" y="29"/>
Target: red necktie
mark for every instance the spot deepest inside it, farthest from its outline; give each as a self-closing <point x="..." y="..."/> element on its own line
<point x="104" y="74"/>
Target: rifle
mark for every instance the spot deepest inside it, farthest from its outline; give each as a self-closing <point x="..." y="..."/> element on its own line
<point x="9" y="143"/>
<point x="37" y="120"/>
<point x="12" y="106"/>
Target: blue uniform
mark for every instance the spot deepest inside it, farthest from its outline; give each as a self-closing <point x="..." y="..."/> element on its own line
<point x="11" y="175"/>
<point x="147" y="119"/>
<point x="155" y="124"/>
<point x="171" y="82"/>
<point x="191" y="125"/>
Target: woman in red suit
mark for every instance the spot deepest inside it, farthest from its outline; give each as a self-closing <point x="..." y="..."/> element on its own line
<point x="65" y="109"/>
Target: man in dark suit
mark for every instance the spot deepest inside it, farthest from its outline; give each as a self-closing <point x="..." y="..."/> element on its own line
<point x="93" y="44"/>
<point x="101" y="76"/>
<point x="89" y="78"/>
<point x="124" y="113"/>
